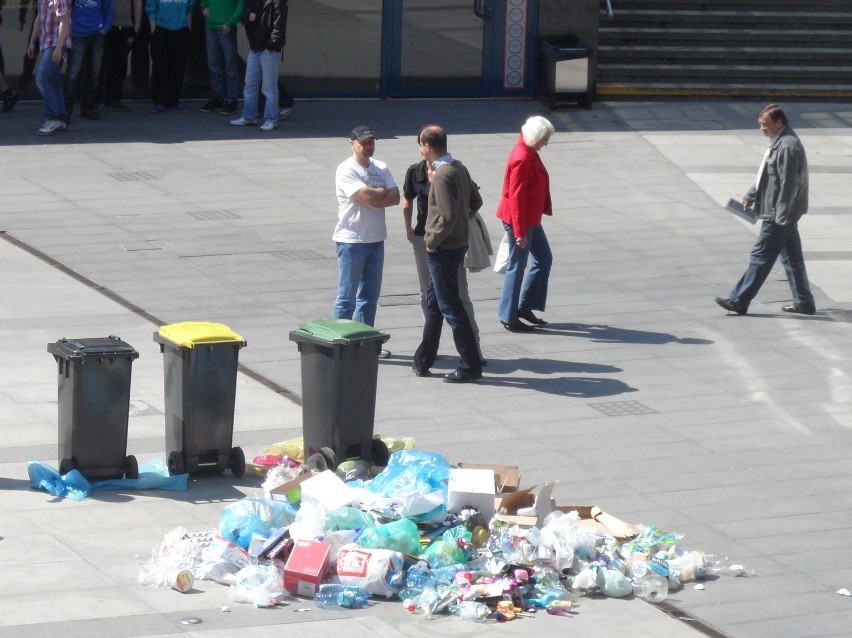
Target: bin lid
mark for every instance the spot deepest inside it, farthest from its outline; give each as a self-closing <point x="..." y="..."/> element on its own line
<point x="94" y="347"/>
<point x="341" y="331"/>
<point x="189" y="333"/>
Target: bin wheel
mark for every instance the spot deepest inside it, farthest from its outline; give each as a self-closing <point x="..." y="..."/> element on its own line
<point x="329" y="456"/>
<point x="176" y="464"/>
<point x="379" y="453"/>
<point x="237" y="462"/>
<point x="65" y="466"/>
<point x="131" y="467"/>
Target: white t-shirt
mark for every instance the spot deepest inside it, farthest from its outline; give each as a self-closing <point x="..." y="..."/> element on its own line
<point x="360" y="223"/>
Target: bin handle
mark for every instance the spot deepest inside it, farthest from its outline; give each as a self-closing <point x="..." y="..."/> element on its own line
<point x="482" y="8"/>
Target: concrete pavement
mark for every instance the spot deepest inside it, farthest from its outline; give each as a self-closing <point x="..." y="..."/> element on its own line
<point x="640" y="396"/>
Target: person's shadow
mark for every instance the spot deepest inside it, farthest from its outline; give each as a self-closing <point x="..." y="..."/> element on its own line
<point x="573" y="379"/>
<point x="610" y="334"/>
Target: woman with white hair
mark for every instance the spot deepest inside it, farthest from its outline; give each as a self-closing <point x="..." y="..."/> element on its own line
<point x="525" y="198"/>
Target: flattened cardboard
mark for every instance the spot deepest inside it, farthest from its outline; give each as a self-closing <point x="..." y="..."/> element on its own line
<point x="306" y="567"/>
<point x="507" y="478"/>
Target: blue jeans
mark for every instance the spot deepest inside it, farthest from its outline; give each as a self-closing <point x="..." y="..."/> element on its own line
<point x="443" y="302"/>
<point x="529" y="293"/>
<point x="775" y="241"/>
<point x="360" y="280"/>
<point x="93" y="46"/>
<point x="262" y="75"/>
<point x="223" y="63"/>
<point x="49" y="83"/>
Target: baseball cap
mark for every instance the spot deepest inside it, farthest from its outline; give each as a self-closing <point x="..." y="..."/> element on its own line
<point x="362" y="134"/>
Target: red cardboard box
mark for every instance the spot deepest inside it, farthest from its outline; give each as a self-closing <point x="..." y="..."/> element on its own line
<point x="306" y="568"/>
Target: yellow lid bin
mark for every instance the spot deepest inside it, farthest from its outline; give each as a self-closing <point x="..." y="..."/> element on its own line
<point x="190" y="333"/>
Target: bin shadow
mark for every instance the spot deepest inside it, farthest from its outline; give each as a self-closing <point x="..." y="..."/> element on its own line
<point x="201" y="488"/>
<point x="600" y="333"/>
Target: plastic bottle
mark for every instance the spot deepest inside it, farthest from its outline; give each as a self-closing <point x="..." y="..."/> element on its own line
<point x="472" y="610"/>
<point x="333" y="595"/>
<point x="652" y="587"/>
<point x="417" y="578"/>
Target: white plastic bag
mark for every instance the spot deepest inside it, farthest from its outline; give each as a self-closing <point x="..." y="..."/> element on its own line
<point x="501" y="260"/>
<point x="378" y="571"/>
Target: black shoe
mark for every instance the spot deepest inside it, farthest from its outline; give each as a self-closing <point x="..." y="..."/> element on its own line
<point x="229" y="108"/>
<point x="483" y="361"/>
<point x="460" y="377"/>
<point x="527" y="315"/>
<point x="90" y="114"/>
<point x="212" y="105"/>
<point x="420" y="372"/>
<point x="802" y="310"/>
<point x="9" y="102"/>
<point x="117" y="105"/>
<point x="730" y="306"/>
<point x="518" y="326"/>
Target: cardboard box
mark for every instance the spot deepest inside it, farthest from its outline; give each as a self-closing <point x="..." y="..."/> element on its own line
<point x="291" y="491"/>
<point x="329" y="490"/>
<point x="594" y="516"/>
<point x="471" y="488"/>
<point x="306" y="567"/>
<point x="507" y="478"/>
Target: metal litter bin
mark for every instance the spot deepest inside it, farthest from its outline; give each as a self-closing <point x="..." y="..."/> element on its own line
<point x="567" y="73"/>
<point x="340" y="361"/>
<point x="200" y="366"/>
<point x="94" y="406"/>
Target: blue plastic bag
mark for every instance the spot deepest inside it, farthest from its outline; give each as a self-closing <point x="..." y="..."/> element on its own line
<point x="411" y="472"/>
<point x="242" y="519"/>
<point x="43" y="477"/>
<point x="153" y="475"/>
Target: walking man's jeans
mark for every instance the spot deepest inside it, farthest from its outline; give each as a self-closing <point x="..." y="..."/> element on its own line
<point x="223" y="64"/>
<point x="532" y="292"/>
<point x="360" y="279"/>
<point x="262" y="75"/>
<point x="49" y="83"/>
<point x="83" y="46"/>
<point x="775" y="241"/>
<point x="443" y="302"/>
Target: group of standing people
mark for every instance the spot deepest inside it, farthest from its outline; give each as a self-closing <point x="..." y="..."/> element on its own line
<point x="98" y="36"/>
<point x="446" y="230"/>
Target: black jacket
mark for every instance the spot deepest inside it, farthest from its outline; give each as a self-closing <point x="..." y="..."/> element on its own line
<point x="268" y="31"/>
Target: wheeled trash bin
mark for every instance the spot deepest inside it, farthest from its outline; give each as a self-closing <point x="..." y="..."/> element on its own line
<point x="200" y="369"/>
<point x="94" y="406"/>
<point x="340" y="360"/>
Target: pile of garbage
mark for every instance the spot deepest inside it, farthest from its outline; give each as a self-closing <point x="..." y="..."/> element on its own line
<point x="419" y="533"/>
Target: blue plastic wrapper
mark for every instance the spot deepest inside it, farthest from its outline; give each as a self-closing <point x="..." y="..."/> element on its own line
<point x="411" y="472"/>
<point x="153" y="475"/>
<point x="242" y="519"/>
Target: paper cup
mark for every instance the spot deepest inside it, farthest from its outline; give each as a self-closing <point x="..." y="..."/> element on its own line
<point x="181" y="579"/>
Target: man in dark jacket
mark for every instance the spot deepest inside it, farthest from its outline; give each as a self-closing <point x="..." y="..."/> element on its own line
<point x="266" y="24"/>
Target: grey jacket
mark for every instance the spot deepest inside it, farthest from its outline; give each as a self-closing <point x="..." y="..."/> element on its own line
<point x="781" y="196"/>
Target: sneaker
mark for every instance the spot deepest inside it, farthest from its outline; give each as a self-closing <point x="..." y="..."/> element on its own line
<point x="51" y="126"/>
<point x="90" y="114"/>
<point x="241" y="121"/>
<point x="229" y="108"/>
<point x="158" y="108"/>
<point x="118" y="105"/>
<point x="285" y="111"/>
<point x="213" y="104"/>
<point x="268" y="125"/>
<point x="181" y="106"/>
<point x="9" y="102"/>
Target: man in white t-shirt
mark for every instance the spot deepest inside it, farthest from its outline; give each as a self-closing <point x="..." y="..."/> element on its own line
<point x="365" y="188"/>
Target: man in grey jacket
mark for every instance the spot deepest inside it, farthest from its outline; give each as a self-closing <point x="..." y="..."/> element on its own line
<point x="779" y="198"/>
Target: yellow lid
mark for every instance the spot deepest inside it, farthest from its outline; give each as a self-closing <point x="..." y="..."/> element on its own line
<point x="189" y="333"/>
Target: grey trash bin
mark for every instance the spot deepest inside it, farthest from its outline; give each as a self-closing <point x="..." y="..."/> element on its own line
<point x="567" y="73"/>
<point x="340" y="360"/>
<point x="94" y="406"/>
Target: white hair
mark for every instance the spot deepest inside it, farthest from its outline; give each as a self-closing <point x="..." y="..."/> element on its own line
<point x="536" y="129"/>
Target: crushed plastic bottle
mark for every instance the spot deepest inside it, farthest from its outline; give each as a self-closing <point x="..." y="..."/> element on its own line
<point x="652" y="587"/>
<point x="472" y="610"/>
<point x="333" y="595"/>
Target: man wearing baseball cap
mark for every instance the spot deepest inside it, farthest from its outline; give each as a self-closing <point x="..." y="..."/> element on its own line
<point x="365" y="188"/>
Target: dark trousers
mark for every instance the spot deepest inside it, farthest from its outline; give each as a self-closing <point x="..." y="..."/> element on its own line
<point x="443" y="302"/>
<point x="117" y="44"/>
<point x="169" y="52"/>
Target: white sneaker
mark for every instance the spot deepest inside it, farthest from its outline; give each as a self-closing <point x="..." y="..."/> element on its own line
<point x="51" y="126"/>
<point x="268" y="125"/>
<point x="285" y="111"/>
<point x="241" y="121"/>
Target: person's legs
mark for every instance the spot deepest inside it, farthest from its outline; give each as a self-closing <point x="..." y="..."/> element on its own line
<point x="89" y="84"/>
<point x="269" y="66"/>
<point x="797" y="275"/>
<point x="534" y="291"/>
<point x="231" y="61"/>
<point x="507" y="310"/>
<point x="464" y="296"/>
<point x="76" y="55"/>
<point x="418" y="243"/>
<point x="350" y="259"/>
<point x="181" y="42"/>
<point x="215" y="64"/>
<point x="370" y="286"/>
<point x="159" y="67"/>
<point x="49" y="82"/>
<point x="254" y="76"/>
<point x="114" y="64"/>
<point x="427" y="351"/>
<point x="444" y="270"/>
<point x="770" y="242"/>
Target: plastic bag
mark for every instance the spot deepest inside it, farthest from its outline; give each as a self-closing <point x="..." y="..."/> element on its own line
<point x="347" y="518"/>
<point x="378" y="571"/>
<point x="43" y="477"/>
<point x="449" y="548"/>
<point x="411" y="472"/>
<point x="401" y="536"/>
<point x="242" y="519"/>
<point x="501" y="259"/>
<point x="153" y="475"/>
<point x="177" y="550"/>
<point x="259" y="585"/>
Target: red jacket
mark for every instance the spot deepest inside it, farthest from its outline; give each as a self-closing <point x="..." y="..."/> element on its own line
<point x="526" y="190"/>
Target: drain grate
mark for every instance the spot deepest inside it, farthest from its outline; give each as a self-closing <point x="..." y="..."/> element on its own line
<point x="688" y="619"/>
<point x="622" y="408"/>
<point x="214" y="214"/>
<point x="133" y="177"/>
